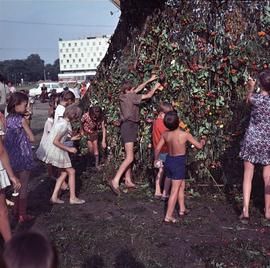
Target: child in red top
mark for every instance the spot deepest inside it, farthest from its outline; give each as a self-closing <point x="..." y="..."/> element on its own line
<point x="92" y="122"/>
<point x="158" y="129"/>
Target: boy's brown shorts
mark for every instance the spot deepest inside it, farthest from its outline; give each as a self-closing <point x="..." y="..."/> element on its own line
<point x="129" y="131"/>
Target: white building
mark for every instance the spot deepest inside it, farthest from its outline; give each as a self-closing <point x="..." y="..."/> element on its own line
<point x="80" y="58"/>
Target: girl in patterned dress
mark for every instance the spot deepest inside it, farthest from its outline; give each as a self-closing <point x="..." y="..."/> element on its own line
<point x="255" y="148"/>
<point x="17" y="143"/>
<point x="55" y="152"/>
<point x="92" y="122"/>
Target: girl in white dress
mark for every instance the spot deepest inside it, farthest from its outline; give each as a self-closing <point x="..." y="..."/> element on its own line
<point x="5" y="171"/>
<point x="55" y="152"/>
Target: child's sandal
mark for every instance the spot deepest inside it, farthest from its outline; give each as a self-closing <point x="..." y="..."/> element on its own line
<point x="183" y="213"/>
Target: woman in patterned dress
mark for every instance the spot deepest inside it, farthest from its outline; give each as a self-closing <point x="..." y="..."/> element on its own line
<point x="255" y="148"/>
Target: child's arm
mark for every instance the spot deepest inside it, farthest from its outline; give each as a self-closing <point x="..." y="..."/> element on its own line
<point x="159" y="146"/>
<point x="250" y="87"/>
<point x="151" y="92"/>
<point x="28" y="131"/>
<point x="60" y="145"/>
<point x="104" y="135"/>
<point x="142" y="86"/>
<point x="192" y="140"/>
<point x="5" y="162"/>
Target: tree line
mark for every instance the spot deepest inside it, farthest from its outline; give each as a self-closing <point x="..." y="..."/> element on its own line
<point x="31" y="69"/>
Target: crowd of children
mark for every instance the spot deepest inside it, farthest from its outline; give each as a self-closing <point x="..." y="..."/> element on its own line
<point x="169" y="141"/>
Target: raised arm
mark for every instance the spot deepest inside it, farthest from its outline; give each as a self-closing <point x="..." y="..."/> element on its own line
<point x="192" y="140"/>
<point x="250" y="88"/>
<point x="28" y="130"/>
<point x="142" y="86"/>
<point x="151" y="92"/>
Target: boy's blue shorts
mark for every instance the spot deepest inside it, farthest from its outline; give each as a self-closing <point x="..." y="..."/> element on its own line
<point x="175" y="167"/>
<point x="162" y="157"/>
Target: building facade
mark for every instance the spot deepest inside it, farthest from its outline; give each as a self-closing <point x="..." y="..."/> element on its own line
<point x="81" y="57"/>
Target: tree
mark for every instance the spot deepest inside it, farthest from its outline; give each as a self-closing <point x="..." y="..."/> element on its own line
<point x="205" y="50"/>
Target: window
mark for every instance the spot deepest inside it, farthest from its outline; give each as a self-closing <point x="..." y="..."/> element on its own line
<point x="95" y="54"/>
<point x="75" y="44"/>
<point x="82" y="54"/>
<point x="83" y="65"/>
<point x="98" y="59"/>
<point x="73" y="60"/>
<point x="88" y="65"/>
<point x="70" y="55"/>
<point x="73" y="49"/>
<point x="61" y="50"/>
<point x="80" y="60"/>
<point x="79" y="49"/>
<point x="76" y="55"/>
<point x="100" y="53"/>
<point x="64" y="55"/>
<point x="61" y="61"/>
<point x="67" y="61"/>
<point x="70" y="66"/>
<point x="64" y="66"/>
<point x="63" y="44"/>
<point x="77" y="66"/>
<point x="69" y="44"/>
<point x="99" y="43"/>
<point x="92" y="60"/>
<point x="66" y="49"/>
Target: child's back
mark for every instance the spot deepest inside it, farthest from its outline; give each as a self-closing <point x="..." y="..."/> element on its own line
<point x="176" y="141"/>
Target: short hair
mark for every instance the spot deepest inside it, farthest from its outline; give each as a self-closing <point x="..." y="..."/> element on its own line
<point x="15" y="99"/>
<point x="264" y="79"/>
<point x="73" y="112"/>
<point x="171" y="120"/>
<point x="165" y="107"/>
<point x="126" y="86"/>
<point x="67" y="95"/>
<point x="29" y="250"/>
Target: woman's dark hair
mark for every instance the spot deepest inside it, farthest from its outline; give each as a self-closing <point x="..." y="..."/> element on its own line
<point x="171" y="120"/>
<point x="264" y="79"/>
<point x="29" y="250"/>
<point x="15" y="99"/>
<point x="126" y="86"/>
<point x="96" y="113"/>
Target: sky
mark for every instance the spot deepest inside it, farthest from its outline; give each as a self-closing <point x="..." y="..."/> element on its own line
<point x="35" y="26"/>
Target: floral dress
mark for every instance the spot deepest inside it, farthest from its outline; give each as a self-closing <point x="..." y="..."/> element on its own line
<point x="90" y="127"/>
<point x="17" y="144"/>
<point x="51" y="154"/>
<point x="255" y="147"/>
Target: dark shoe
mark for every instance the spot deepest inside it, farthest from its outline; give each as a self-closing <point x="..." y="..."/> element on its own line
<point x="164" y="198"/>
<point x="244" y="220"/>
<point x="157" y="196"/>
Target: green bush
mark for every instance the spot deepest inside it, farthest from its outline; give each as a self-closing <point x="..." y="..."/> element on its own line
<point x="206" y="50"/>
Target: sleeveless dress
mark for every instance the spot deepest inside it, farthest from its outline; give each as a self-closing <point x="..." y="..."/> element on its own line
<point x="51" y="154"/>
<point x="17" y="144"/>
<point x="255" y="147"/>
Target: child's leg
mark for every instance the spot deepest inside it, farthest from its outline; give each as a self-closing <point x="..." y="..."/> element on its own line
<point x="4" y="221"/>
<point x="158" y="180"/>
<point x="266" y="177"/>
<point x="23" y="192"/>
<point x="247" y="184"/>
<point x="181" y="198"/>
<point x="128" y="177"/>
<point x="71" y="181"/>
<point x="57" y="187"/>
<point x="124" y="166"/>
<point x="96" y="153"/>
<point x="166" y="188"/>
<point x="50" y="170"/>
<point x="172" y="199"/>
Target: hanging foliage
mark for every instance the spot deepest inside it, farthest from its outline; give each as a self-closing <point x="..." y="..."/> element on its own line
<point x="203" y="51"/>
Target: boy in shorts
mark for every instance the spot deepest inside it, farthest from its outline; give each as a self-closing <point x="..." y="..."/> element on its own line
<point x="158" y="129"/>
<point x="130" y="117"/>
<point x="176" y="140"/>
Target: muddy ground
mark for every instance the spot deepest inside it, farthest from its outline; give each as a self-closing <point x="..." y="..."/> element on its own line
<point x="129" y="232"/>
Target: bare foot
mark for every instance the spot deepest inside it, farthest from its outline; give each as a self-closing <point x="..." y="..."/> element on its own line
<point x="56" y="201"/>
<point x="114" y="188"/>
<point x="76" y="201"/>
